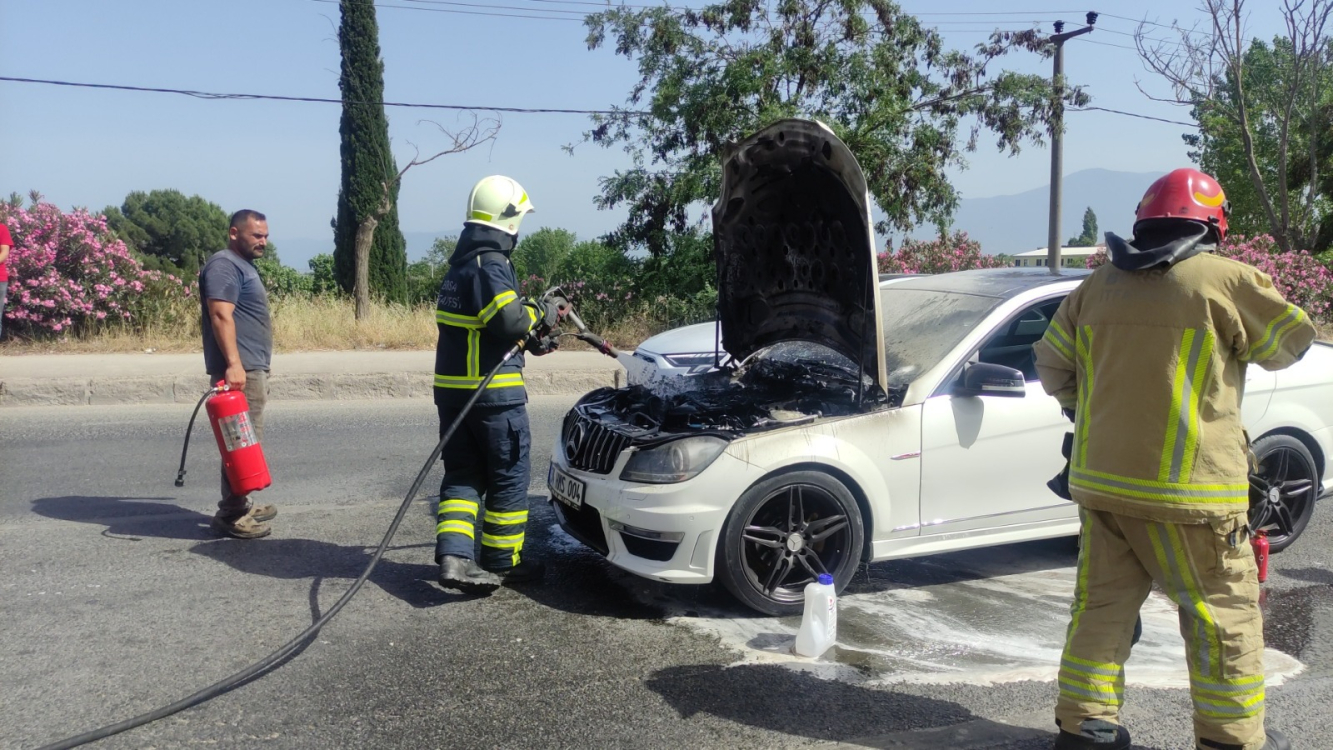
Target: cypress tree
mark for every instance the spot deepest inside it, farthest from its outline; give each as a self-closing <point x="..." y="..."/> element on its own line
<point x="367" y="161"/>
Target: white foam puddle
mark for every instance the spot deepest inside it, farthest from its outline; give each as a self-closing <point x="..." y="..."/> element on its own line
<point x="982" y="627"/>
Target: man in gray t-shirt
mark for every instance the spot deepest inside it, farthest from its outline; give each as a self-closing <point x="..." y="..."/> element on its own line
<point x="238" y="348"/>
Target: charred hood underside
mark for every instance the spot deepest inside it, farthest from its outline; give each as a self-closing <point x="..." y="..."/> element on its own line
<point x="767" y="395"/>
<point x="795" y="253"/>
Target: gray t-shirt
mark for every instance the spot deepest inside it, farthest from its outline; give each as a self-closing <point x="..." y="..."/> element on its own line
<point x="230" y="278"/>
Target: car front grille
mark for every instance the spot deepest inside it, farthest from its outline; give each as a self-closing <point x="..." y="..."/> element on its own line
<point x="589" y="446"/>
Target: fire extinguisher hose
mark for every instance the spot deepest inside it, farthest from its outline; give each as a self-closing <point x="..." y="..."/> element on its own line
<point x="299" y="642"/>
<point x="189" y="428"/>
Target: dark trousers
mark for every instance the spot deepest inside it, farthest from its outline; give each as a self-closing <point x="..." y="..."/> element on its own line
<point x="256" y="394"/>
<point x="487" y="457"/>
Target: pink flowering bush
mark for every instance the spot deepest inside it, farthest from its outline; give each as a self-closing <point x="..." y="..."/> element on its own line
<point x="1300" y="277"/>
<point x="68" y="273"/>
<point x="955" y="252"/>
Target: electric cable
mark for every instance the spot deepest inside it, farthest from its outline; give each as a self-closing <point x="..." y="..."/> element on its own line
<point x="226" y="684"/>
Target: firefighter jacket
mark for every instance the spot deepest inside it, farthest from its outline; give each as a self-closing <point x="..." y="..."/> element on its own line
<point x="480" y="316"/>
<point x="1153" y="363"/>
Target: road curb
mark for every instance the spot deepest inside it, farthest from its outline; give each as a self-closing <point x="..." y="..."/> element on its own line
<point x="177" y="389"/>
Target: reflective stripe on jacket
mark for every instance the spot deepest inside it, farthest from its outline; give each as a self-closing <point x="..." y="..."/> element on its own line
<point x="1153" y="363"/>
<point x="479" y="316"/>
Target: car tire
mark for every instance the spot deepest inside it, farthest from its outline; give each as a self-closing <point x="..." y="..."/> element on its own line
<point x="760" y="563"/>
<point x="1283" y="490"/>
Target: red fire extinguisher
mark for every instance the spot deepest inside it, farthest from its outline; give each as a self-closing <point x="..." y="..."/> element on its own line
<point x="242" y="456"/>
<point x="1260" y="542"/>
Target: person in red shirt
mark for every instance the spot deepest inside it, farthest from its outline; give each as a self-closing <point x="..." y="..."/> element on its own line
<point x="6" y="242"/>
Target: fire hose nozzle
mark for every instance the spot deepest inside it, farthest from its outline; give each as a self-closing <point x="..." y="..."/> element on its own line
<point x="180" y="478"/>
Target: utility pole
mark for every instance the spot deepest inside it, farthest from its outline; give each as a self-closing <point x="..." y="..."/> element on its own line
<point x="1059" y="38"/>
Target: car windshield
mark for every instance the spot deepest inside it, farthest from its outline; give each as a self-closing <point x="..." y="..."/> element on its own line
<point x="921" y="326"/>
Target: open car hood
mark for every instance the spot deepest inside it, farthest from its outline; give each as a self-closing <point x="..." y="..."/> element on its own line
<point x="795" y="251"/>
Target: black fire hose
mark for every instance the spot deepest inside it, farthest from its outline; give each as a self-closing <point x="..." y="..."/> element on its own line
<point x="218" y="688"/>
<point x="189" y="428"/>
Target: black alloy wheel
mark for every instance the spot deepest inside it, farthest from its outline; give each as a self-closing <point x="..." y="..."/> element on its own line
<point x="783" y="533"/>
<point x="1283" y="490"/>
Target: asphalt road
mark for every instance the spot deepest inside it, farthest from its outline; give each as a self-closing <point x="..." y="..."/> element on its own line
<point x="116" y="598"/>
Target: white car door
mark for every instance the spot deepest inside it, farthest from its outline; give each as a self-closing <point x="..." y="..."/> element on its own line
<point x="985" y="460"/>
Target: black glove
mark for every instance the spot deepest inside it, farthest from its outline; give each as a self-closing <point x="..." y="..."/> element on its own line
<point x="1060" y="484"/>
<point x="539" y="345"/>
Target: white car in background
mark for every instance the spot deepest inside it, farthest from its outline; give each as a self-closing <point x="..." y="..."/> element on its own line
<point x="867" y="421"/>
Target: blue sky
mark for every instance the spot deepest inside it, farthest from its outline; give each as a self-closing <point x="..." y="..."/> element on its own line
<point x="85" y="147"/>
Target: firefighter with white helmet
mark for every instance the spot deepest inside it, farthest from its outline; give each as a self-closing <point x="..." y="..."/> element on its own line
<point x="1148" y="354"/>
<point x="479" y="316"/>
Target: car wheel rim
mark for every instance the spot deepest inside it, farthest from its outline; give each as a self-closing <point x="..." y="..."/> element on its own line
<point x="795" y="534"/>
<point x="1279" y="492"/>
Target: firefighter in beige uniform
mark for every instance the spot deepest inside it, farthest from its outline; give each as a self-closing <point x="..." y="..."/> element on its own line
<point x="1150" y="354"/>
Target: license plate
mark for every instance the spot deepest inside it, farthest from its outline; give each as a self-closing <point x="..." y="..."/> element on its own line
<point x="565" y="488"/>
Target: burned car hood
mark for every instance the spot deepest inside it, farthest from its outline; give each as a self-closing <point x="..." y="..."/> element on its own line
<point x="794" y="246"/>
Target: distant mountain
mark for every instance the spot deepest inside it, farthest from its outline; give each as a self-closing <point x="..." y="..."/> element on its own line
<point x="1017" y="223"/>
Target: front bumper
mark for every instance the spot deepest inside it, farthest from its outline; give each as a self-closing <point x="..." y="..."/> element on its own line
<point x="666" y="532"/>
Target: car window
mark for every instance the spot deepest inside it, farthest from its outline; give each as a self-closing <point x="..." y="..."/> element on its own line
<point x="922" y="326"/>
<point x="1011" y="344"/>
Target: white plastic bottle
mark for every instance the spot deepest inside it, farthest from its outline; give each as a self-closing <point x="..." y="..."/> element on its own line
<point x="819" y="623"/>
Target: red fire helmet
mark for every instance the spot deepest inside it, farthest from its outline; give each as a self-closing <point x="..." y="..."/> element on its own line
<point x="1186" y="194"/>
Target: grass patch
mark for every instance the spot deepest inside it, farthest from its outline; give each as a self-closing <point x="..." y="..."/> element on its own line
<point x="322" y="323"/>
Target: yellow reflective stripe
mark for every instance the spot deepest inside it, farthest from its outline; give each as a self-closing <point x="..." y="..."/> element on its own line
<point x="1080" y="582"/>
<point x="458" y="321"/>
<point x="506" y="518"/>
<point x="505" y="380"/>
<point x="1182" y="422"/>
<point x="507" y="541"/>
<point x="532" y="317"/>
<point x="482" y="215"/>
<point x="501" y="299"/>
<point x="455" y="527"/>
<point x="1084" y="347"/>
<point x="1180" y="581"/>
<point x="1162" y="491"/>
<point x="1057" y="338"/>
<point x="474" y="353"/>
<point x="457" y="506"/>
<point x="1268" y="345"/>
<point x="1084" y="664"/>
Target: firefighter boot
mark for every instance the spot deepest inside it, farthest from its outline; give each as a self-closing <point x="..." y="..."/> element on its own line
<point x="1095" y="734"/>
<point x="464" y="574"/>
<point x="527" y="571"/>
<point x="1276" y="741"/>
<point x="243" y="526"/>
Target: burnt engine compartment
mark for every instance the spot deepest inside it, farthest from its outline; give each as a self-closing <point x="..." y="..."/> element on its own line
<point x="764" y="395"/>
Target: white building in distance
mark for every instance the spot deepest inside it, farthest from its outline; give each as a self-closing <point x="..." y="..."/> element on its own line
<point x="1070" y="257"/>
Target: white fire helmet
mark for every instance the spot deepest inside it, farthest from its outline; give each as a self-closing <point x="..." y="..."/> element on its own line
<point x="498" y="202"/>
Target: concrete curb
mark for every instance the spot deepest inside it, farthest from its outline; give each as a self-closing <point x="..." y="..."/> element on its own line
<point x="179" y="389"/>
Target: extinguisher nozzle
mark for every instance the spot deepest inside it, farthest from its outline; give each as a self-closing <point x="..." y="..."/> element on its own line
<point x="180" y="479"/>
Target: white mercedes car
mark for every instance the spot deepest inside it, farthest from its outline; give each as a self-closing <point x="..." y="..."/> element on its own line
<point x="865" y="421"/>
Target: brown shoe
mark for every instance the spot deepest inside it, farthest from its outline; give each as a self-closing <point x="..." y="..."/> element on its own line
<point x="263" y="512"/>
<point x="241" y="527"/>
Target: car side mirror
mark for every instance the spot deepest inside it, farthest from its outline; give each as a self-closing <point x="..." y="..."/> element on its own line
<point x="986" y="379"/>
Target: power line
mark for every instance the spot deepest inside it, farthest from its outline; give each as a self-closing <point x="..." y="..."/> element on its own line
<point x="271" y="97"/>
<point x="1108" y="44"/>
<point x="1131" y="114"/>
<point x="463" y="12"/>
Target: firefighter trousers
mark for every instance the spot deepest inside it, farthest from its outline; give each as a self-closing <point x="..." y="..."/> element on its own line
<point x="487" y="458"/>
<point x="1208" y="570"/>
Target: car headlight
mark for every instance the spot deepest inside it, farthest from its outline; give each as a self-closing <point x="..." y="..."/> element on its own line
<point x="675" y="461"/>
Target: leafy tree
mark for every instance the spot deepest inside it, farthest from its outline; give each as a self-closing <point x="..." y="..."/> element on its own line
<point x="424" y="276"/>
<point x="368" y="166"/>
<point x="283" y="281"/>
<point x="542" y="252"/>
<point x="1089" y="237"/>
<point x="169" y="231"/>
<point x="323" y="275"/>
<point x="883" y="82"/>
<point x="1261" y="111"/>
